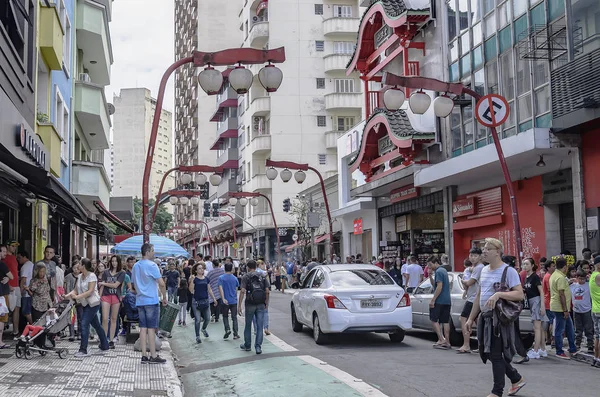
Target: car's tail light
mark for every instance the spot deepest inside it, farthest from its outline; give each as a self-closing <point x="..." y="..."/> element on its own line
<point x="333" y="302"/>
<point x="405" y="301"/>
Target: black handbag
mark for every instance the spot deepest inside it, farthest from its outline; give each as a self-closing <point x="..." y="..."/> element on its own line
<point x="507" y="311"/>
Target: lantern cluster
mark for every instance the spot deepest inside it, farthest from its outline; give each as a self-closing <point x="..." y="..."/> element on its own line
<point x="419" y="102"/>
<point x="240" y="79"/>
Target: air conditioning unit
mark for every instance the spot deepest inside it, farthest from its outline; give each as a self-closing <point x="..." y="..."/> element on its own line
<point x="258" y="125"/>
<point x="85" y="77"/>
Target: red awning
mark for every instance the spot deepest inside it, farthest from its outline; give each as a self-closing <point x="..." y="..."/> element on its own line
<point x="263" y="5"/>
<point x="221" y="138"/>
<point x="111" y="217"/>
<point x="321" y="238"/>
<point x="227" y="103"/>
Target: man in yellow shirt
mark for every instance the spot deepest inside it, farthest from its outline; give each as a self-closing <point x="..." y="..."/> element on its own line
<point x="595" y="294"/>
<point x="560" y="304"/>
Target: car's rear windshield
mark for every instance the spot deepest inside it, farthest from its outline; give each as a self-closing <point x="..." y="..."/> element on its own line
<point x="359" y="278"/>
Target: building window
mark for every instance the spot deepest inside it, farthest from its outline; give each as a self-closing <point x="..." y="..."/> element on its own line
<point x="318" y="9"/>
<point x="344" y="123"/>
<point x="67" y="45"/>
<point x="61" y="122"/>
<point x="556" y="9"/>
<point x="344" y="85"/>
<point x="320" y="83"/>
<point x="451" y="12"/>
<point x="320" y="45"/>
<point x="321" y="121"/>
<point x="342" y="11"/>
<point x="343" y="47"/>
<point x="322" y="159"/>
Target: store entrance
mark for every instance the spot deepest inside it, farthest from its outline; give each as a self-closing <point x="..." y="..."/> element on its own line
<point x="566" y="213"/>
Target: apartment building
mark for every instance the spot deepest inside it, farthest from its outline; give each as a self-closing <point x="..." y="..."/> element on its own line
<point x="132" y="125"/>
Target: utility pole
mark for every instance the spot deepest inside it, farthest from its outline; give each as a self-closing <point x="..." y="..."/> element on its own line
<point x="312" y="230"/>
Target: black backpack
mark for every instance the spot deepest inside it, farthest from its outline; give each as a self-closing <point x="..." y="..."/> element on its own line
<point x="255" y="290"/>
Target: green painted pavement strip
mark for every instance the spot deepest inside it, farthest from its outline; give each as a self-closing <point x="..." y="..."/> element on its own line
<point x="214" y="348"/>
<point x="268" y="376"/>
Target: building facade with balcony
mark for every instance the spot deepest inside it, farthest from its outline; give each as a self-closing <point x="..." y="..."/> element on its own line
<point x="132" y="125"/>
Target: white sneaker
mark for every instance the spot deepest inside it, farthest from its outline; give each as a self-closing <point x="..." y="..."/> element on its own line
<point x="543" y="353"/>
<point x="81" y="354"/>
<point x="532" y="354"/>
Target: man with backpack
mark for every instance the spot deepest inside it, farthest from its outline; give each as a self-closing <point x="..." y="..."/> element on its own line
<point x="255" y="292"/>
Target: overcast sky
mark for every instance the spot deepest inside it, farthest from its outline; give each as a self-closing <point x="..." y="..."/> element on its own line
<point x="142" y="42"/>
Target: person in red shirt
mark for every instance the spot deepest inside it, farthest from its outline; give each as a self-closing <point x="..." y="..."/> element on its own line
<point x="379" y="262"/>
<point x="550" y="266"/>
<point x="13" y="266"/>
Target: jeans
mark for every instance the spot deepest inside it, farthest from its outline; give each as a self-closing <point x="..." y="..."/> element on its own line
<point x="182" y="311"/>
<point x="200" y="315"/>
<point x="265" y="321"/>
<point x="561" y="325"/>
<point x="172" y="293"/>
<point x="501" y="367"/>
<point x="90" y="317"/>
<point x="233" y="309"/>
<point x="216" y="310"/>
<point x="259" y="312"/>
<point x="583" y="323"/>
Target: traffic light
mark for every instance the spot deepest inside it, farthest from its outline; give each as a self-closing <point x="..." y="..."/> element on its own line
<point x="215" y="210"/>
<point x="287" y="205"/>
<point x="206" y="210"/>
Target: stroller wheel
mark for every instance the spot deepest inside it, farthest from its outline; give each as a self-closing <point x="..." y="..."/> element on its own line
<point x="18" y="352"/>
<point x="42" y="353"/>
<point x="62" y="353"/>
<point x="28" y="354"/>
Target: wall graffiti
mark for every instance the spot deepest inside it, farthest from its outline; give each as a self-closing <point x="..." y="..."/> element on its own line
<point x="530" y="248"/>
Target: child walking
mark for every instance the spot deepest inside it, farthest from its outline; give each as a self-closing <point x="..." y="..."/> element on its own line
<point x="182" y="297"/>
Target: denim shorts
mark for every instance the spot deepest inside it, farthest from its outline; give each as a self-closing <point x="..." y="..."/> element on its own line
<point x="596" y="322"/>
<point x="149" y="315"/>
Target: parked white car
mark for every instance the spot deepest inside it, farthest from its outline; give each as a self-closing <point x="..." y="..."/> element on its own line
<point x="351" y="298"/>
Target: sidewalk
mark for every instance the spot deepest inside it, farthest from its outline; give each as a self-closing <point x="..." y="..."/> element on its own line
<point x="116" y="373"/>
<point x="219" y="367"/>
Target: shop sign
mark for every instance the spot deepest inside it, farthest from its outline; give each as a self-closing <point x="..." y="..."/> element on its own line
<point x="401" y="224"/>
<point x="404" y="193"/>
<point x="358" y="226"/>
<point x="31" y="145"/>
<point x="464" y="207"/>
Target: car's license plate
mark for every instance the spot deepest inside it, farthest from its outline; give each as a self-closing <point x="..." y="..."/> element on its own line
<point x="371" y="303"/>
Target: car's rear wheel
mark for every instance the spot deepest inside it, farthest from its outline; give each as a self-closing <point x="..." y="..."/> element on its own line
<point x="319" y="337"/>
<point x="296" y="325"/>
<point x="397" y="336"/>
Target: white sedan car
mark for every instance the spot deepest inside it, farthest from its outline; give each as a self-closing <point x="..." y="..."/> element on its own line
<point x="351" y="298"/>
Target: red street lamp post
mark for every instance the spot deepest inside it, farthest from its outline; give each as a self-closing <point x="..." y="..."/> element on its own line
<point x="300" y="176"/>
<point x="444" y="109"/>
<point x="200" y="222"/>
<point x="211" y="81"/>
<point x="239" y="196"/>
<point x="222" y="214"/>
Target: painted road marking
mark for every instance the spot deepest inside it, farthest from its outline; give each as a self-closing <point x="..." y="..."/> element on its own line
<point x="357" y="384"/>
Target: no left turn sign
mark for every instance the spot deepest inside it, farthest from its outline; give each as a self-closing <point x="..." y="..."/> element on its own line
<point x="492" y="110"/>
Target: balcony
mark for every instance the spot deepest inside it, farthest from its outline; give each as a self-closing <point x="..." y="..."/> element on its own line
<point x="93" y="38"/>
<point x="341" y="26"/>
<point x="53" y="142"/>
<point x="90" y="183"/>
<point x="260" y="182"/>
<point x="230" y="124"/>
<point x="331" y="138"/>
<point x="260" y="106"/>
<point x="336" y="62"/>
<point x="92" y="113"/>
<point x="260" y="144"/>
<point x="51" y="37"/>
<point x="227" y="158"/>
<point x="258" y="35"/>
<point x="343" y="100"/>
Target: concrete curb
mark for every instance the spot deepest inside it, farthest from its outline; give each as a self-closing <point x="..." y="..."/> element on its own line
<point x="174" y="384"/>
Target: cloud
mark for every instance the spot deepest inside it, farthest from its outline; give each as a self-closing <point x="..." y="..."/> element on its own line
<point x="142" y="34"/>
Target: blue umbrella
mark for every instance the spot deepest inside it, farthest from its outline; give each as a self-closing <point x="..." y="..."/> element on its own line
<point x="162" y="246"/>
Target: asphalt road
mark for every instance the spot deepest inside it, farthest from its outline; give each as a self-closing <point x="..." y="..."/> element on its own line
<point x="414" y="368"/>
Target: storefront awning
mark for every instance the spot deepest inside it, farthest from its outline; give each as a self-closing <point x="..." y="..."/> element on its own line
<point x="112" y="218"/>
<point x="321" y="238"/>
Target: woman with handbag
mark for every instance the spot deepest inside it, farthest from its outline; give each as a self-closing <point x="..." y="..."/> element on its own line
<point x="499" y="300"/>
<point x="86" y="294"/>
<point x="200" y="289"/>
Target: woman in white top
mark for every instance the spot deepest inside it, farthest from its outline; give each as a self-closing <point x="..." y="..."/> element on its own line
<point x="86" y="293"/>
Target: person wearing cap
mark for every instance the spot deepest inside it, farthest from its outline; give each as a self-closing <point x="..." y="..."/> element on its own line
<point x="15" y="291"/>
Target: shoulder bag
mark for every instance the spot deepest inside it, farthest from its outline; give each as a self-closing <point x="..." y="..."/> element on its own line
<point x="507" y="311"/>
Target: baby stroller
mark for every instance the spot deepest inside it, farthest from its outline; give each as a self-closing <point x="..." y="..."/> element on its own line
<point x="131" y="311"/>
<point x="52" y="323"/>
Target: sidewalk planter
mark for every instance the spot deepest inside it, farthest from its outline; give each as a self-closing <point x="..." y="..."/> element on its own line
<point x="51" y="38"/>
<point x="52" y="142"/>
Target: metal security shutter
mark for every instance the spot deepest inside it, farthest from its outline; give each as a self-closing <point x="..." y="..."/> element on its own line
<point x="567" y="227"/>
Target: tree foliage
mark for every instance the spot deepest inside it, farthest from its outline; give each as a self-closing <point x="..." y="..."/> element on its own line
<point x="300" y="209"/>
<point x="162" y="222"/>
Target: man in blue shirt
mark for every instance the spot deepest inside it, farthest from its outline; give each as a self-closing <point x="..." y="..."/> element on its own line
<point x="228" y="285"/>
<point x="147" y="280"/>
<point x="439" y="307"/>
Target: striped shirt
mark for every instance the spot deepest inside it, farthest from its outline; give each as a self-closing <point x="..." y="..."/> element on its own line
<point x="213" y="278"/>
